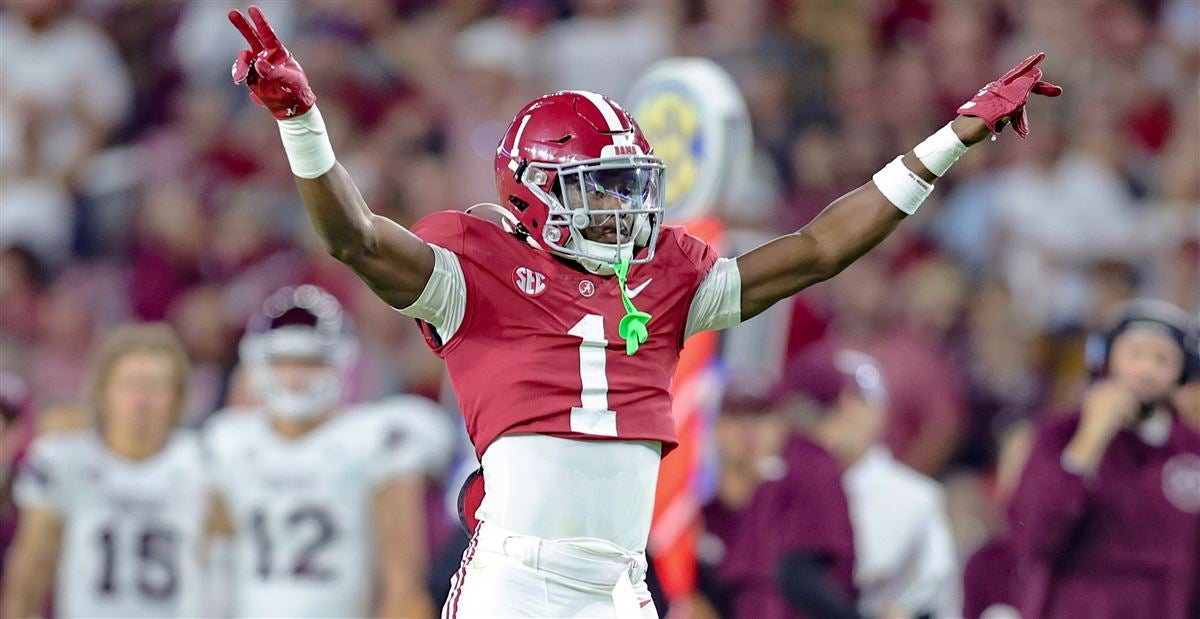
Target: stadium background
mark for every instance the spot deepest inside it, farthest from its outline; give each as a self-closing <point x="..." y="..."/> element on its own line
<point x="138" y="183"/>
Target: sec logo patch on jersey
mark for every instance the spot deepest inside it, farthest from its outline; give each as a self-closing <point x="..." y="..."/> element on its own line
<point x="529" y="281"/>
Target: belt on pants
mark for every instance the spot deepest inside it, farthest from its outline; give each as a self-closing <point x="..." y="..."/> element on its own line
<point x="588" y="560"/>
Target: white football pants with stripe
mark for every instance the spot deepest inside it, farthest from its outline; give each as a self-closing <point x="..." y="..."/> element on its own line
<point x="504" y="574"/>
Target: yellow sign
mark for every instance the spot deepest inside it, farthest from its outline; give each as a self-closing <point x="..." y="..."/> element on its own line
<point x="696" y="121"/>
<point x="672" y="125"/>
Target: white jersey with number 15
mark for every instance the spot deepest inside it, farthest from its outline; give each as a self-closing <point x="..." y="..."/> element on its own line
<point x="131" y="529"/>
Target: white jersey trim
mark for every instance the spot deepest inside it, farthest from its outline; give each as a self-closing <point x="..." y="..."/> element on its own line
<point x="558" y="488"/>
<point x="717" y="304"/>
<point x="443" y="303"/>
<point x="718" y="301"/>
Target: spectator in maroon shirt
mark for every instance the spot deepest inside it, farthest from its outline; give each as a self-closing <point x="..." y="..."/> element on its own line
<point x="990" y="574"/>
<point x="1106" y="519"/>
<point x="926" y="411"/>
<point x="778" y="540"/>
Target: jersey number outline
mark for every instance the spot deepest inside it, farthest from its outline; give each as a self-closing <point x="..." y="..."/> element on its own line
<point x="592" y="416"/>
<point x="304" y="564"/>
<point x="157" y="552"/>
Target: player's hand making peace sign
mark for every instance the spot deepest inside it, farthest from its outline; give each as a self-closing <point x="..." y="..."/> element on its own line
<point x="1003" y="100"/>
<point x="275" y="79"/>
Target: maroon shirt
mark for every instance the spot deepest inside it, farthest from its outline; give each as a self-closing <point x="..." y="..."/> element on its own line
<point x="804" y="511"/>
<point x="923" y="389"/>
<point x="517" y="363"/>
<point x="1123" y="544"/>
<point x="988" y="579"/>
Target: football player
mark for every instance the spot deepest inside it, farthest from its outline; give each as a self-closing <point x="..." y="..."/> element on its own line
<point x="316" y="500"/>
<point x="119" y="507"/>
<point x="561" y="325"/>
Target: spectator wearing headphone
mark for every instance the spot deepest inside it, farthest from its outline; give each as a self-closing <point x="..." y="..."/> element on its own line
<point x="1106" y="518"/>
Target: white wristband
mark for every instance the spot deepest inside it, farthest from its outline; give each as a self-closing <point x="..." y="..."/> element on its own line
<point x="939" y="151"/>
<point x="901" y="186"/>
<point x="307" y="145"/>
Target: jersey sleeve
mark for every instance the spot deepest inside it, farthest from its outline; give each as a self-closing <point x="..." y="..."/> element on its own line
<point x="717" y="287"/>
<point x="443" y="302"/>
<point x="44" y="481"/>
<point x="408" y="435"/>
<point x="718" y="301"/>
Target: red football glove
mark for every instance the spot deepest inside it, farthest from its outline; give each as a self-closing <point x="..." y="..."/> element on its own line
<point x="275" y="79"/>
<point x="1004" y="99"/>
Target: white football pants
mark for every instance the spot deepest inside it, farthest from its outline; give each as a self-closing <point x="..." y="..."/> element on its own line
<point x="504" y="574"/>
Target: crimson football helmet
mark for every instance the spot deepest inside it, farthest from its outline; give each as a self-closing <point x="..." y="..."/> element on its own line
<point x="302" y="323"/>
<point x="577" y="178"/>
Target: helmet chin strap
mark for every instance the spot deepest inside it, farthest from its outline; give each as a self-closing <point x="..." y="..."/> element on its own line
<point x="624" y="251"/>
<point x="599" y="267"/>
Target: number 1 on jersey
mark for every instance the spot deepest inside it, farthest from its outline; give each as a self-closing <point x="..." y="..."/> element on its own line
<point x="592" y="415"/>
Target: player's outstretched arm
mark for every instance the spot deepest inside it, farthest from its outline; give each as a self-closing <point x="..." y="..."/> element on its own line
<point x="401" y="552"/>
<point x="858" y="221"/>
<point x="394" y="262"/>
<point x="390" y="259"/>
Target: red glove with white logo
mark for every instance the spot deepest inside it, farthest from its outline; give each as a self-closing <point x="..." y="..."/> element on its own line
<point x="275" y="79"/>
<point x="1004" y="99"/>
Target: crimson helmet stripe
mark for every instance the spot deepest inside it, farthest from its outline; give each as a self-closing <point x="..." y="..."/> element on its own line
<point x="606" y="110"/>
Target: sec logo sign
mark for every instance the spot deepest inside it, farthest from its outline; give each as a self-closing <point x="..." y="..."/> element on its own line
<point x="529" y="281"/>
<point x="693" y="113"/>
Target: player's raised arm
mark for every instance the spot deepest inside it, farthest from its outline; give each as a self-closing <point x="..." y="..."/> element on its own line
<point x="390" y="259"/>
<point x="859" y="220"/>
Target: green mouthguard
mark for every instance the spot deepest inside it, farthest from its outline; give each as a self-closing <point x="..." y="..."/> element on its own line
<point x="633" y="325"/>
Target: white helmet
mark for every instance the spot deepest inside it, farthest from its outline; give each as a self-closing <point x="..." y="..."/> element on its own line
<point x="304" y="323"/>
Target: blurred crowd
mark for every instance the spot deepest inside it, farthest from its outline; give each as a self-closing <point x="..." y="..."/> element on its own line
<point x="137" y="183"/>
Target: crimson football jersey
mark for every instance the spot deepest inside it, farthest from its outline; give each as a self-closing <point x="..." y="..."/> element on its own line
<point x="538" y="349"/>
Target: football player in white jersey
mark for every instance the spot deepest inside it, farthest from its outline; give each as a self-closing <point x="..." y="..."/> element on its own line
<point x="121" y="507"/>
<point x="316" y="497"/>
